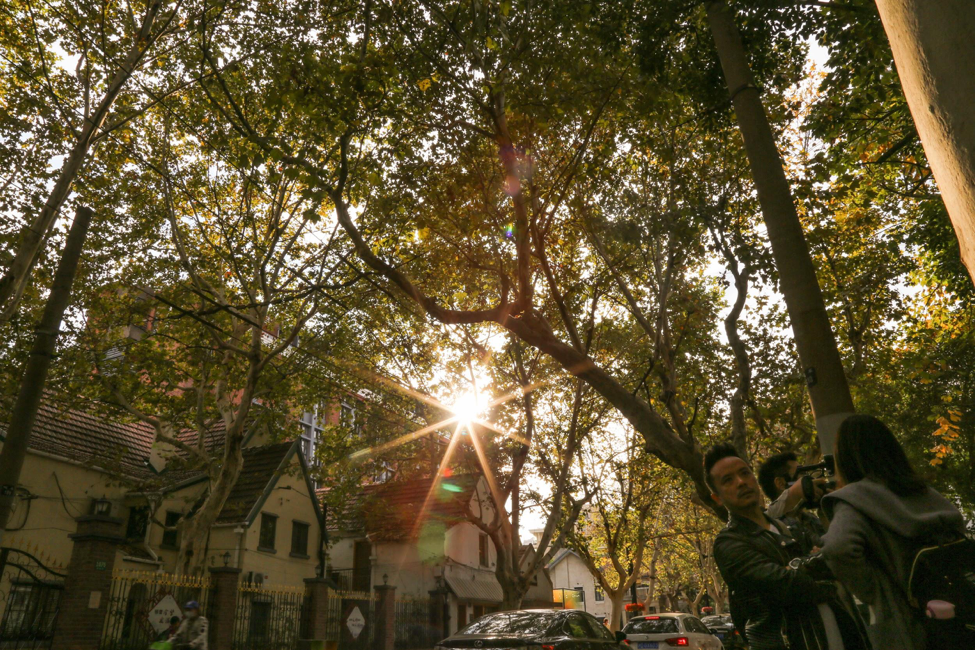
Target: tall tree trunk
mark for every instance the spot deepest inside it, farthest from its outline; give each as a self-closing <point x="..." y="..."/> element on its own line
<point x="934" y="52"/>
<point x="816" y="344"/>
<point x="35" y="374"/>
<point x="616" y="611"/>
<point x="16" y="278"/>
<point x="652" y="585"/>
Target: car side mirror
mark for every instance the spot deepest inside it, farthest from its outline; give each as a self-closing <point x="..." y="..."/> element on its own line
<point x="620" y="637"/>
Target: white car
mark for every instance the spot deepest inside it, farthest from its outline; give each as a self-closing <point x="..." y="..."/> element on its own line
<point x="666" y="631"/>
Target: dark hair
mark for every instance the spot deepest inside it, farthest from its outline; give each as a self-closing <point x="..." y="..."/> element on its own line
<point x="865" y="448"/>
<point x="774" y="467"/>
<point x="716" y="453"/>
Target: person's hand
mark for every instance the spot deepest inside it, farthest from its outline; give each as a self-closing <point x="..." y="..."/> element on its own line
<point x="819" y="488"/>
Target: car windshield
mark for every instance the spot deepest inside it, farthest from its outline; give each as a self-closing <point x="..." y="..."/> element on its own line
<point x="652" y="626"/>
<point x="527" y="623"/>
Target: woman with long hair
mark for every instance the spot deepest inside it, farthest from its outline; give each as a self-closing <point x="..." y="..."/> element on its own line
<point x="881" y="514"/>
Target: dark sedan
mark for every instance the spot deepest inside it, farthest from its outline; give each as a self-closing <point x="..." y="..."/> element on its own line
<point x="534" y="629"/>
<point x="722" y="627"/>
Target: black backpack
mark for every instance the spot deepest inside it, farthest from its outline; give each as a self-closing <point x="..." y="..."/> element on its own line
<point x="945" y="571"/>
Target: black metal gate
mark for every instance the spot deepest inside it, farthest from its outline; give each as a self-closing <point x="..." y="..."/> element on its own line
<point x="30" y="596"/>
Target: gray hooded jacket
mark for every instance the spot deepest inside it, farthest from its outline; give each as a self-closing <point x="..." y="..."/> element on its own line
<point x="873" y="537"/>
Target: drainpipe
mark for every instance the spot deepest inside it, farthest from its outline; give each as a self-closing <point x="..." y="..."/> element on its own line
<point x="153" y="507"/>
<point x="240" y="545"/>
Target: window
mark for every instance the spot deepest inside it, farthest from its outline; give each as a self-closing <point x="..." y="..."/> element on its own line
<point x="171" y="535"/>
<point x="312" y="423"/>
<point x="576" y="627"/>
<point x="260" y="620"/>
<point x="691" y="624"/>
<point x="349" y="419"/>
<point x="269" y="529"/>
<point x="600" y="596"/>
<point x="520" y="623"/>
<point x="482" y="549"/>
<point x="299" y="538"/>
<point x="138" y="522"/>
<point x="600" y="630"/>
<point x="31" y="610"/>
<point x="652" y="626"/>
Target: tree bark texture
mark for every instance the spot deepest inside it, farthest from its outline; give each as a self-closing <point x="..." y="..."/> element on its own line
<point x="35" y="374"/>
<point x="934" y="50"/>
<point x="815" y="341"/>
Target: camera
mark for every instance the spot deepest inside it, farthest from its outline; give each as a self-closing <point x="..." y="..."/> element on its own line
<point x="806" y="474"/>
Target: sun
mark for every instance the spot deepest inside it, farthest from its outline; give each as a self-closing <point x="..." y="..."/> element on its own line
<point x="467" y="408"/>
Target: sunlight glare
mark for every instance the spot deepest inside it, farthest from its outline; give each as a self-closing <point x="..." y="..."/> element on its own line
<point x="467" y="408"/>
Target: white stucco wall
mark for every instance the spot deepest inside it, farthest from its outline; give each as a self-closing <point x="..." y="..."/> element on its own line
<point x="572" y="573"/>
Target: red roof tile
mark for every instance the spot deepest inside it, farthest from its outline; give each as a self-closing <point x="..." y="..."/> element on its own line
<point x="395" y="510"/>
<point x="76" y="435"/>
<point x="260" y="466"/>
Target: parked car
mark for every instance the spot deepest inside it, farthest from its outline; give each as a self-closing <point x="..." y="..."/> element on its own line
<point x="665" y="631"/>
<point x="534" y="629"/>
<point x="723" y="628"/>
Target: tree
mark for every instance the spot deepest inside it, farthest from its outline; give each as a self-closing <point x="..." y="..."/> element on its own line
<point x="828" y="390"/>
<point x="615" y="530"/>
<point x="935" y="60"/>
<point x="252" y="276"/>
<point x="112" y="48"/>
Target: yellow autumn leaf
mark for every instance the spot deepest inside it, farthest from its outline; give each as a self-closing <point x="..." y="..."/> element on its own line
<point x="424" y="85"/>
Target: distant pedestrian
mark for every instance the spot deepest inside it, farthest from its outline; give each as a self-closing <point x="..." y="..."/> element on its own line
<point x="192" y="632"/>
<point x="881" y="515"/>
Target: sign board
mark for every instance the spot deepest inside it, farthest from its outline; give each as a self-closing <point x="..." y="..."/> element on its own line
<point x="101" y="565"/>
<point x="354" y="631"/>
<point x="356" y="622"/>
<point x="164" y="609"/>
<point x="94" y="600"/>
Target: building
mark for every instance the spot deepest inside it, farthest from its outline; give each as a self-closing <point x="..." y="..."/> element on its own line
<point x="79" y="464"/>
<point x="569" y="572"/>
<point x="417" y="535"/>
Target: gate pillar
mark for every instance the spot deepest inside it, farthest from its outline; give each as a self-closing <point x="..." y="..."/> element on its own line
<point x="316" y="614"/>
<point x="385" y="618"/>
<point x="222" y="606"/>
<point x="88" y="584"/>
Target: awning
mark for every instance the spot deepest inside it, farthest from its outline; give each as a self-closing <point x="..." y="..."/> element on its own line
<point x="482" y="587"/>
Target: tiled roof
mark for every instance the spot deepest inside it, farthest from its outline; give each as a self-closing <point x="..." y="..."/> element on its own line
<point x="260" y="466"/>
<point x="395" y="511"/>
<point x="76" y="435"/>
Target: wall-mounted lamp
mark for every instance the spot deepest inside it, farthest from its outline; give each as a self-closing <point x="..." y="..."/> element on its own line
<point x="226" y="558"/>
<point x="385" y="579"/>
<point x="103" y="507"/>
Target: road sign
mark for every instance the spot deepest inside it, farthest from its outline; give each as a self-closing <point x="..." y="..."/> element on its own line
<point x="356" y="623"/>
<point x="162" y="611"/>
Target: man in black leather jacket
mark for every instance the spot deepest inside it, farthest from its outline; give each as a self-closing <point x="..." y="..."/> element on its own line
<point x="774" y="605"/>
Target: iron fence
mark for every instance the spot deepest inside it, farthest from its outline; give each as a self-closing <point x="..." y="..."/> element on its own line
<point x="358" y="579"/>
<point x="268" y="617"/>
<point x="336" y="605"/>
<point x="413" y="629"/>
<point x="30" y="597"/>
<point x="141" y="604"/>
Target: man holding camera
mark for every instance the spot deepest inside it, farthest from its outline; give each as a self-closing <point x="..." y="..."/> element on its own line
<point x="791" y="497"/>
<point x="775" y="601"/>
